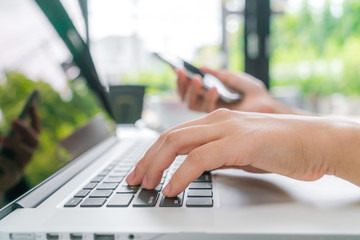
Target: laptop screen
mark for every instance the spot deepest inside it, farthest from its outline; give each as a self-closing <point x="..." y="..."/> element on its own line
<point x="33" y="56"/>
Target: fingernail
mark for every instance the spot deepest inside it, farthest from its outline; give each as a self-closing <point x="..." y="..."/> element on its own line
<point x="167" y="189"/>
<point x="145" y="182"/>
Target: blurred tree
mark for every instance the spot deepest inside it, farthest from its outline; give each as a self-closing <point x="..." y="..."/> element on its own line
<point x="317" y="50"/>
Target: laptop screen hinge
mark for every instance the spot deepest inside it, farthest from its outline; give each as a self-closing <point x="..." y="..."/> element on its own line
<point x="9" y="209"/>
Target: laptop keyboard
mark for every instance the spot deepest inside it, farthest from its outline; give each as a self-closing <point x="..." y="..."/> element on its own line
<point x="109" y="188"/>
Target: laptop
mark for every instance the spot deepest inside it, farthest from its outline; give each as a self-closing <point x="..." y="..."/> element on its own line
<point x="89" y="198"/>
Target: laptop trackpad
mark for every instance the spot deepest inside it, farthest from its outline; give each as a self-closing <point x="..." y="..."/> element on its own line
<point x="235" y="188"/>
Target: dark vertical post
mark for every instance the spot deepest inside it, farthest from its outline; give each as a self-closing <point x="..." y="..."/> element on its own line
<point x="256" y="38"/>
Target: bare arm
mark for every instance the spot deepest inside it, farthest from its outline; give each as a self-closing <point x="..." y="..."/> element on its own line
<point x="304" y="148"/>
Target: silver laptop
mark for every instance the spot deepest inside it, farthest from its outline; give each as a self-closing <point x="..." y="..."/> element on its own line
<point x="89" y="198"/>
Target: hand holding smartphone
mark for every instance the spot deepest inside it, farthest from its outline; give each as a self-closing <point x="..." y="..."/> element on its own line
<point x="24" y="112"/>
<point x="209" y="81"/>
<point x="31" y="99"/>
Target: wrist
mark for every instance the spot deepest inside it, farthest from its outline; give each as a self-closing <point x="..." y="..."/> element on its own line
<point x="345" y="151"/>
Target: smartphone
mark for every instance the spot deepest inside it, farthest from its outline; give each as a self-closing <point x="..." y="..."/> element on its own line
<point x="208" y="80"/>
<point x="25" y="110"/>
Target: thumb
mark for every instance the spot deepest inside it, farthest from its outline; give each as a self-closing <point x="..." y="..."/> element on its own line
<point x="241" y="82"/>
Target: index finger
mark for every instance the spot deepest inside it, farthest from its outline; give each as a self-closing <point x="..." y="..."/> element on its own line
<point x="138" y="173"/>
<point x="179" y="142"/>
<point x="182" y="83"/>
<point x="35" y="120"/>
<point x="242" y="82"/>
<point x="220" y="74"/>
<point x="204" y="158"/>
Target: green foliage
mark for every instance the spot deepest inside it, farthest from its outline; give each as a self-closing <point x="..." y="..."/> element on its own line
<point x="236" y="51"/>
<point x="59" y="118"/>
<point x="157" y="78"/>
<point x="329" y="46"/>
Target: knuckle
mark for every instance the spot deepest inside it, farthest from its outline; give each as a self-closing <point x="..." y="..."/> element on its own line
<point x="221" y="112"/>
<point x="259" y="84"/>
<point x="196" y="160"/>
<point x="163" y="136"/>
<point x="171" y="138"/>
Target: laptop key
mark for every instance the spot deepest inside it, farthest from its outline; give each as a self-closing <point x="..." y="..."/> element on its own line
<point x="146" y="198"/>
<point x="199" y="202"/>
<point x="108" y="168"/>
<point x="76" y="236"/>
<point x="125" y="165"/>
<point x="52" y="236"/>
<point x="104" y="173"/>
<point x="172" y="202"/>
<point x="205" y="177"/>
<point x="104" y="237"/>
<point x="116" y="179"/>
<point x="120" y="172"/>
<point x="107" y="186"/>
<point x="93" y="202"/>
<point x="73" y="202"/>
<point x="127" y="189"/>
<point x="120" y="200"/>
<point x="97" y="179"/>
<point x="82" y="193"/>
<point x="90" y="185"/>
<point x="200" y="185"/>
<point x="124" y="183"/>
<point x="200" y="193"/>
<point x="101" y="194"/>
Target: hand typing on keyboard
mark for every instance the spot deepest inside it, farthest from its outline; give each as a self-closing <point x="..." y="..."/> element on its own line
<point x="289" y="145"/>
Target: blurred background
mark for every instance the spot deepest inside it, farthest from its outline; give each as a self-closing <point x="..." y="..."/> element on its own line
<point x="307" y="52"/>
